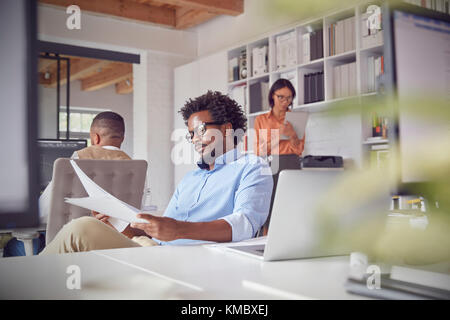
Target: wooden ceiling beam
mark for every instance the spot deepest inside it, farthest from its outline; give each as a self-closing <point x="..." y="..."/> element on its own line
<point x="115" y="74"/>
<point x="125" y="86"/>
<point x="45" y="64"/>
<point x="186" y="18"/>
<point x="79" y="68"/>
<point x="122" y="8"/>
<point x="228" y="7"/>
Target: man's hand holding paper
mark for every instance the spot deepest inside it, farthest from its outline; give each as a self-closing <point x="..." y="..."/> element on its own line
<point x="162" y="228"/>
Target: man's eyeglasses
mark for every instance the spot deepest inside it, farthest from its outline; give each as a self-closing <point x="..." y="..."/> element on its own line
<point x="283" y="98"/>
<point x="200" y="130"/>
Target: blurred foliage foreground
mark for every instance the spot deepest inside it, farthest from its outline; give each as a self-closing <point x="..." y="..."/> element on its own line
<point x="356" y="211"/>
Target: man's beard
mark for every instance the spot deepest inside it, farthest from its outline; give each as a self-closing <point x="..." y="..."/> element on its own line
<point x="208" y="157"/>
<point x="207" y="154"/>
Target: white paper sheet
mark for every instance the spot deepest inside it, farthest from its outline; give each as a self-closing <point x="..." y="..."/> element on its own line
<point x="103" y="202"/>
<point x="298" y="120"/>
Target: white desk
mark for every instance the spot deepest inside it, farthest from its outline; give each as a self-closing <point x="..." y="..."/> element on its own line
<point x="229" y="275"/>
<point x="189" y="272"/>
<point x="45" y="277"/>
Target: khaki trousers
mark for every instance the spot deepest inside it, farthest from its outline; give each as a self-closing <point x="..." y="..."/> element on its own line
<point x="88" y="233"/>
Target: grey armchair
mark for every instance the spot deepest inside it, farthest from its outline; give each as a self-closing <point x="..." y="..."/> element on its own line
<point x="124" y="179"/>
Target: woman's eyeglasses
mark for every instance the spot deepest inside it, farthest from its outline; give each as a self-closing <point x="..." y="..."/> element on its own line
<point x="200" y="130"/>
<point x="283" y="98"/>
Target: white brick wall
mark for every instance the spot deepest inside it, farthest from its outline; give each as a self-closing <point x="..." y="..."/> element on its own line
<point x="154" y="112"/>
<point x="329" y="134"/>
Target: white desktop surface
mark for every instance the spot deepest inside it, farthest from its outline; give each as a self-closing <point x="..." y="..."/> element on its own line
<point x="228" y="275"/>
<point x="173" y="272"/>
<point x="45" y="277"/>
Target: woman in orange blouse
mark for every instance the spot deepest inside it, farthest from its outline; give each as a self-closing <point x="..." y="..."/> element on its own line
<point x="269" y="141"/>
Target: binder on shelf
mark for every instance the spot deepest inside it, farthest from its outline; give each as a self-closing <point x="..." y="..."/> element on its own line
<point x="265" y="106"/>
<point x="238" y="93"/>
<point x="312" y="45"/>
<point x="347" y="35"/>
<point x="306" y="48"/>
<point x="259" y="59"/>
<point x="321" y="93"/>
<point x="337" y="82"/>
<point x="243" y="65"/>
<point x="286" y="51"/>
<point x="316" y="44"/>
<point x="307" y="86"/>
<point x="352" y="91"/>
<point x="313" y="92"/>
<point x="344" y="80"/>
<point x="255" y="97"/>
<point x="233" y="69"/>
<point x="320" y="44"/>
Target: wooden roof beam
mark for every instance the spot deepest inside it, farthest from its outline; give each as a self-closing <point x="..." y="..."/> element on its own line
<point x="122" y="8"/>
<point x="125" y="86"/>
<point x="120" y="72"/>
<point x="228" y="7"/>
<point x="79" y="68"/>
<point x="186" y="18"/>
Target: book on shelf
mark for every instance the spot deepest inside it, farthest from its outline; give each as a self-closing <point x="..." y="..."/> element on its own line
<point x="319" y="44"/>
<point x="352" y="85"/>
<point x="259" y="92"/>
<point x="233" y="69"/>
<point x="341" y="36"/>
<point x="259" y="61"/>
<point x="375" y="68"/>
<point x="316" y="45"/>
<point x="313" y="87"/>
<point x="349" y="34"/>
<point x="265" y="106"/>
<point x="306" y="89"/>
<point x="239" y="94"/>
<point x="306" y="48"/>
<point x="437" y="5"/>
<point x="344" y="80"/>
<point x="286" y="51"/>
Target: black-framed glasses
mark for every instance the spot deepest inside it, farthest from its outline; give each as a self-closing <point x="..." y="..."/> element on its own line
<point x="200" y="130"/>
<point x="284" y="98"/>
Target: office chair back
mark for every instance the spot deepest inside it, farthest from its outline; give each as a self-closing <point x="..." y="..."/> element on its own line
<point x="124" y="179"/>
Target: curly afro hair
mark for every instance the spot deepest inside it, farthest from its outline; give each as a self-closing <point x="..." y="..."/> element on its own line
<point x="222" y="108"/>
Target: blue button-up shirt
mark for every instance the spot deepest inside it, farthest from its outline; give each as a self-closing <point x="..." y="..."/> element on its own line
<point x="238" y="190"/>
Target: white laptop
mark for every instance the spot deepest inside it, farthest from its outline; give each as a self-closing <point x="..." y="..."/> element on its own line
<point x="294" y="230"/>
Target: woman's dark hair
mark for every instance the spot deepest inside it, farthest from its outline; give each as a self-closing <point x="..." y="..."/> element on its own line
<point x="221" y="107"/>
<point x="279" y="84"/>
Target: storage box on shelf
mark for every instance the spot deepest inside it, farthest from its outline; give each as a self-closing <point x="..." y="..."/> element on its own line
<point x="286" y="50"/>
<point x="259" y="57"/>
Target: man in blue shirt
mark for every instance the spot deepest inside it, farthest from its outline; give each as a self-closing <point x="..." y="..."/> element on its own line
<point x="226" y="199"/>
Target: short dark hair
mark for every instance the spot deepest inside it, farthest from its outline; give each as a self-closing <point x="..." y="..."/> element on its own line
<point x="112" y="122"/>
<point x="279" y="84"/>
<point x="222" y="108"/>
